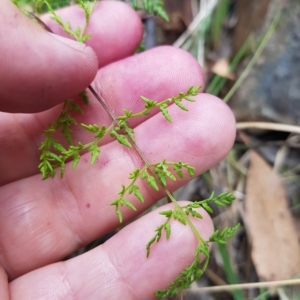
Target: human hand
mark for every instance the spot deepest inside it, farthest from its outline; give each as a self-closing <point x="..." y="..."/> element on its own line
<point x="41" y="222"/>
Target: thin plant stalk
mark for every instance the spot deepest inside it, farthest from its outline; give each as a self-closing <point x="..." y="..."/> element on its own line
<point x="256" y="55"/>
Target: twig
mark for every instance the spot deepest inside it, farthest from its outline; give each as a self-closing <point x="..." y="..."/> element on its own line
<point x="201" y="16"/>
<point x="256" y="55"/>
<point x="252" y="285"/>
<point x="268" y="126"/>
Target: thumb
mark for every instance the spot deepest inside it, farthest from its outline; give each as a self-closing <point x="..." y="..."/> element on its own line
<point x="38" y="70"/>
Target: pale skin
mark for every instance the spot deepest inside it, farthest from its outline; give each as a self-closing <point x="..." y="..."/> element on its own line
<point x="41" y="222"/>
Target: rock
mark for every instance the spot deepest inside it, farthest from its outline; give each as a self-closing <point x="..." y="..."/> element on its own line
<point x="271" y="92"/>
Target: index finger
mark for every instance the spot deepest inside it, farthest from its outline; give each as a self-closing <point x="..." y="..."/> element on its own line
<point x="40" y="70"/>
<point x="26" y="53"/>
<point x="116" y="29"/>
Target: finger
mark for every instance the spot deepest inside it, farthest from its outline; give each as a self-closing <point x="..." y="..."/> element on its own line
<point x="4" y="289"/>
<point x="116" y="29"/>
<point x="119" y="267"/>
<point x="39" y="70"/>
<point x="157" y="74"/>
<point x="43" y="221"/>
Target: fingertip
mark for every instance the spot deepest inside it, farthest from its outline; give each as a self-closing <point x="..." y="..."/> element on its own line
<point x="116" y="29"/>
<point x="185" y="69"/>
<point x="167" y="258"/>
<point x="221" y="121"/>
<point x="82" y="62"/>
<point x="39" y="70"/>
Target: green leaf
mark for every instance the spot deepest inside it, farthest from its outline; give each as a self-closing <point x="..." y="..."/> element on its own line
<point x="92" y="128"/>
<point x="54" y="156"/>
<point x="129" y="204"/>
<point x="116" y="202"/>
<point x="168" y="230"/>
<point x="167" y="213"/>
<point x="149" y="245"/>
<point x="85" y="37"/>
<point x="67" y="26"/>
<point x="67" y="133"/>
<point x="144" y="175"/>
<point x="127" y="113"/>
<point x="77" y="31"/>
<point x="162" y="178"/>
<point x="95" y="151"/>
<point x="180" y="105"/>
<point x="189" y="99"/>
<point x="101" y="132"/>
<point x="84" y="97"/>
<point x="222" y="242"/>
<point x="146" y="4"/>
<point x="76" y="158"/>
<point x="204" y="249"/>
<point x="207" y="208"/>
<point x="194" y="90"/>
<point x="171" y="176"/>
<point x="138" y="194"/>
<point x="48" y="165"/>
<point x="119" y="214"/>
<point x="190" y="89"/>
<point x="130" y="132"/>
<point x="163" y="15"/>
<point x="74" y="108"/>
<point x="136" y="190"/>
<point x="165" y="113"/>
<point x="59" y="147"/>
<point x="122" y="139"/>
<point x="134" y="174"/>
<point x="148" y="103"/>
<point x="62" y="169"/>
<point x="179" y="172"/>
<point x="151" y="181"/>
<point x="178" y="216"/>
<point x="135" y="4"/>
<point x="227" y="233"/>
<point x="191" y="171"/>
<point x="123" y="190"/>
<point x="196" y="214"/>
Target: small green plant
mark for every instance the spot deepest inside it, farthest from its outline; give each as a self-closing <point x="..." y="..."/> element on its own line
<point x="54" y="155"/>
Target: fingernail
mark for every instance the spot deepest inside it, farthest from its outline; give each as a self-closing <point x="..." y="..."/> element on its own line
<point x="71" y="43"/>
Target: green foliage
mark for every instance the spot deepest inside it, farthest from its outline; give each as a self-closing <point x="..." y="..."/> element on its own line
<point x="163" y="105"/>
<point x="155" y="7"/>
<point x="221" y="200"/>
<point x="141" y="47"/>
<point x="195" y="270"/>
<point x="165" y="226"/>
<point x="161" y="170"/>
<point x="227" y="233"/>
<point x="51" y="148"/>
<point x="190" y="274"/>
<point x="55" y="155"/>
<point x="40" y="6"/>
<point x="78" y="33"/>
